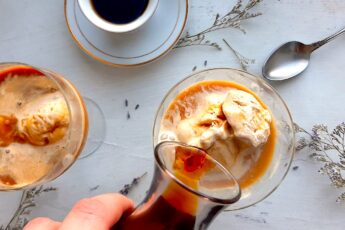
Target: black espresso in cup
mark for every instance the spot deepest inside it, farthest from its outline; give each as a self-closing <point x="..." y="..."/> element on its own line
<point x="120" y="11"/>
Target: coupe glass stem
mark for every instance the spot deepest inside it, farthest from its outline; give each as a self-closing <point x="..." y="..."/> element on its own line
<point x="97" y="128"/>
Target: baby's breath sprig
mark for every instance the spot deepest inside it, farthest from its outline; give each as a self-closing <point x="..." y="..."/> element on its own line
<point x="233" y="19"/>
<point x="196" y="40"/>
<point x="244" y="62"/>
<point x="328" y="148"/>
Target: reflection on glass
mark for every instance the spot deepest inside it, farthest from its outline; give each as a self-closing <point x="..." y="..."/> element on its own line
<point x="241" y="122"/>
<point x="188" y="190"/>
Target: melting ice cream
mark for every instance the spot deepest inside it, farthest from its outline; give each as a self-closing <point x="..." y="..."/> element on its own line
<point x="229" y="122"/>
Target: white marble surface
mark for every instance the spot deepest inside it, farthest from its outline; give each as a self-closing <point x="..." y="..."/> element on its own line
<point x="35" y="32"/>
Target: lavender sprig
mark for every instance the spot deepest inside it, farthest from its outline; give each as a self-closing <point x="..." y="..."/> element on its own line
<point x="127" y="188"/>
<point x="27" y="202"/>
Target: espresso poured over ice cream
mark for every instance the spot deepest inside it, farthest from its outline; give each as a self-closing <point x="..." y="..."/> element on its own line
<point x="227" y="120"/>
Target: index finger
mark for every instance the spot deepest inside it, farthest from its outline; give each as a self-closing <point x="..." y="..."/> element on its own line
<point x="100" y="212"/>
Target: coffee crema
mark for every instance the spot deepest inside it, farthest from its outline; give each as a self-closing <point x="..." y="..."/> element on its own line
<point x="120" y="11"/>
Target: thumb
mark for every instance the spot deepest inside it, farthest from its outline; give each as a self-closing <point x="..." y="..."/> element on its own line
<point x="100" y="212"/>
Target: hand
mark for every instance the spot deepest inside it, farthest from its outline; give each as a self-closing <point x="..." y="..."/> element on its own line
<point x="100" y="212"/>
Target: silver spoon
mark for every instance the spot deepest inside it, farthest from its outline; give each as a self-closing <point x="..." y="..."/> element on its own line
<point x="292" y="58"/>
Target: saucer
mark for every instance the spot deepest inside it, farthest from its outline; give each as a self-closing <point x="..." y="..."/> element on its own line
<point x="144" y="45"/>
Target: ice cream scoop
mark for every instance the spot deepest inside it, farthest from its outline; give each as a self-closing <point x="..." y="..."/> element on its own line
<point x="249" y="120"/>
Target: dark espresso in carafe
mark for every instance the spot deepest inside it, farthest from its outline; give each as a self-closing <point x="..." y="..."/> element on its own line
<point x="120" y="11"/>
<point x="161" y="215"/>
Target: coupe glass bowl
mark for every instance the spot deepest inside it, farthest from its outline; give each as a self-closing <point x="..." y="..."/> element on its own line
<point x="285" y="140"/>
<point x="38" y="164"/>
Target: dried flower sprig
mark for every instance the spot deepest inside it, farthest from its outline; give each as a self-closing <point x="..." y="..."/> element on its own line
<point x="328" y="148"/>
<point x="233" y="19"/>
<point x="244" y="62"/>
<point x="27" y="202"/>
<point x="127" y="188"/>
<point x="196" y="40"/>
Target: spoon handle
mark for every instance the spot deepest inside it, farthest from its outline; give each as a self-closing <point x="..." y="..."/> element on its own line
<point x="318" y="44"/>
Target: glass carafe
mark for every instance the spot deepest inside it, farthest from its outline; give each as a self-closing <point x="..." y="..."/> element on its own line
<point x="189" y="189"/>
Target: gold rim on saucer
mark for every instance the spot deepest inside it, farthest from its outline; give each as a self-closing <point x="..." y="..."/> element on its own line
<point x="91" y="54"/>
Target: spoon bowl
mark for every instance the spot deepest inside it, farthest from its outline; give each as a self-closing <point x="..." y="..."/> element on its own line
<point x="287" y="61"/>
<point x="292" y="58"/>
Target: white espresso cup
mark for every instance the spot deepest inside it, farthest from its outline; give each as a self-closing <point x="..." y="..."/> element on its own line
<point x="90" y="13"/>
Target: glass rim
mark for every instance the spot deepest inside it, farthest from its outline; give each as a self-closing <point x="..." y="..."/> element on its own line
<point x="168" y="172"/>
<point x="48" y="73"/>
<point x="253" y="78"/>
